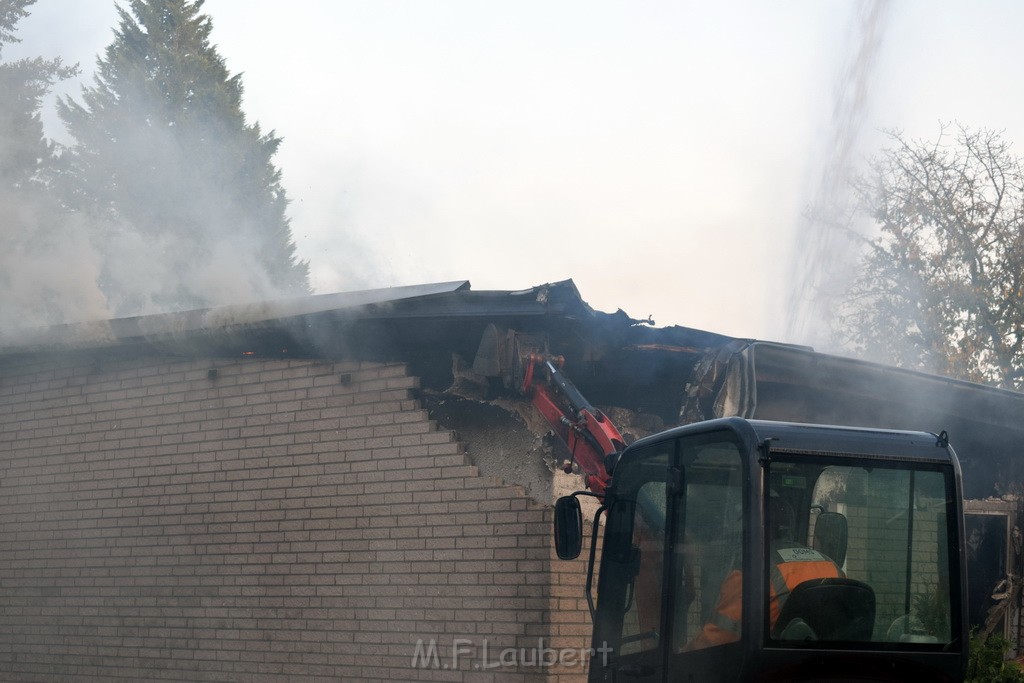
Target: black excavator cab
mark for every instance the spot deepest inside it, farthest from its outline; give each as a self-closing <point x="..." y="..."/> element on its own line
<point x="738" y="550"/>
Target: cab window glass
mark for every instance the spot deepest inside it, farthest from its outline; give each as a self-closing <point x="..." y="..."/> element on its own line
<point x="641" y="622"/>
<point x="709" y="546"/>
<point x="886" y="531"/>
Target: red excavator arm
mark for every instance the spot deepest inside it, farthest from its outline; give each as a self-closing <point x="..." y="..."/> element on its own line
<point x="592" y="439"/>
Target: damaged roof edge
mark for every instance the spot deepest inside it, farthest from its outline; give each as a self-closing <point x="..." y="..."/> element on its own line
<point x="868" y="371"/>
<point x="103" y="333"/>
<point x="561" y="299"/>
<point x="437" y="301"/>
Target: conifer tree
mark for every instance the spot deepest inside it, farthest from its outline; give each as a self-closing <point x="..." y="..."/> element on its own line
<point x="193" y="209"/>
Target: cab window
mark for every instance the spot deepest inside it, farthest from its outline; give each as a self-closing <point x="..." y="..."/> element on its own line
<point x="886" y="530"/>
<point x="710" y="542"/>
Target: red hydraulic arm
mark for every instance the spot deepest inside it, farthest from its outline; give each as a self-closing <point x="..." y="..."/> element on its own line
<point x="592" y="439"/>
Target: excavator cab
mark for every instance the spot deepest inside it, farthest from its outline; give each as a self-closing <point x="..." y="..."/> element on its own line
<point x="740" y="550"/>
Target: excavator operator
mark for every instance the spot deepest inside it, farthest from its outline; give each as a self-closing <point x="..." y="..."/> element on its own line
<point x="794" y="563"/>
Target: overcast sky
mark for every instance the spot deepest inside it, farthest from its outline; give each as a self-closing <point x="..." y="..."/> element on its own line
<point x="659" y="153"/>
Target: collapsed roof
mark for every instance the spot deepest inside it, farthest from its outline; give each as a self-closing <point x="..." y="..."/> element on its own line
<point x="676" y="373"/>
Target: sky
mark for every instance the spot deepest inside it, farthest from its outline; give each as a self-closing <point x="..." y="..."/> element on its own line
<point x="659" y="153"/>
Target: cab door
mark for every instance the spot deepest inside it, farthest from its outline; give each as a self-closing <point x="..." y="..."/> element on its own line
<point x="674" y="538"/>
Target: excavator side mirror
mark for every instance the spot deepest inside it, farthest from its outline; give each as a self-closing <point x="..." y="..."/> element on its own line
<point x="568" y="528"/>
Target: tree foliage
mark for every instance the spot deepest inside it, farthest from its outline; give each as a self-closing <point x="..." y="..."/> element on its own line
<point x="192" y="205"/>
<point x="37" y="233"/>
<point x="23" y="83"/>
<point x="941" y="283"/>
<point x="11" y="12"/>
<point x="987" y="661"/>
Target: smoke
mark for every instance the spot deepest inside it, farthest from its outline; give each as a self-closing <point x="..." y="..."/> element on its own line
<point x="189" y="222"/>
<point x="48" y="273"/>
<point x="141" y="273"/>
<point x="61" y="267"/>
<point x="826" y="249"/>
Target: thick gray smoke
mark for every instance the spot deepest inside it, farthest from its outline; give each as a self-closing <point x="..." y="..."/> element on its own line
<point x="826" y="249"/>
<point x="62" y="267"/>
<point x="48" y="275"/>
<point x="182" y="236"/>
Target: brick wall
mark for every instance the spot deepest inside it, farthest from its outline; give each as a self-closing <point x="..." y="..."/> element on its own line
<point x="281" y="520"/>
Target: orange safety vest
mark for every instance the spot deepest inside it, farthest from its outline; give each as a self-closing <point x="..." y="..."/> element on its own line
<point x="793" y="566"/>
